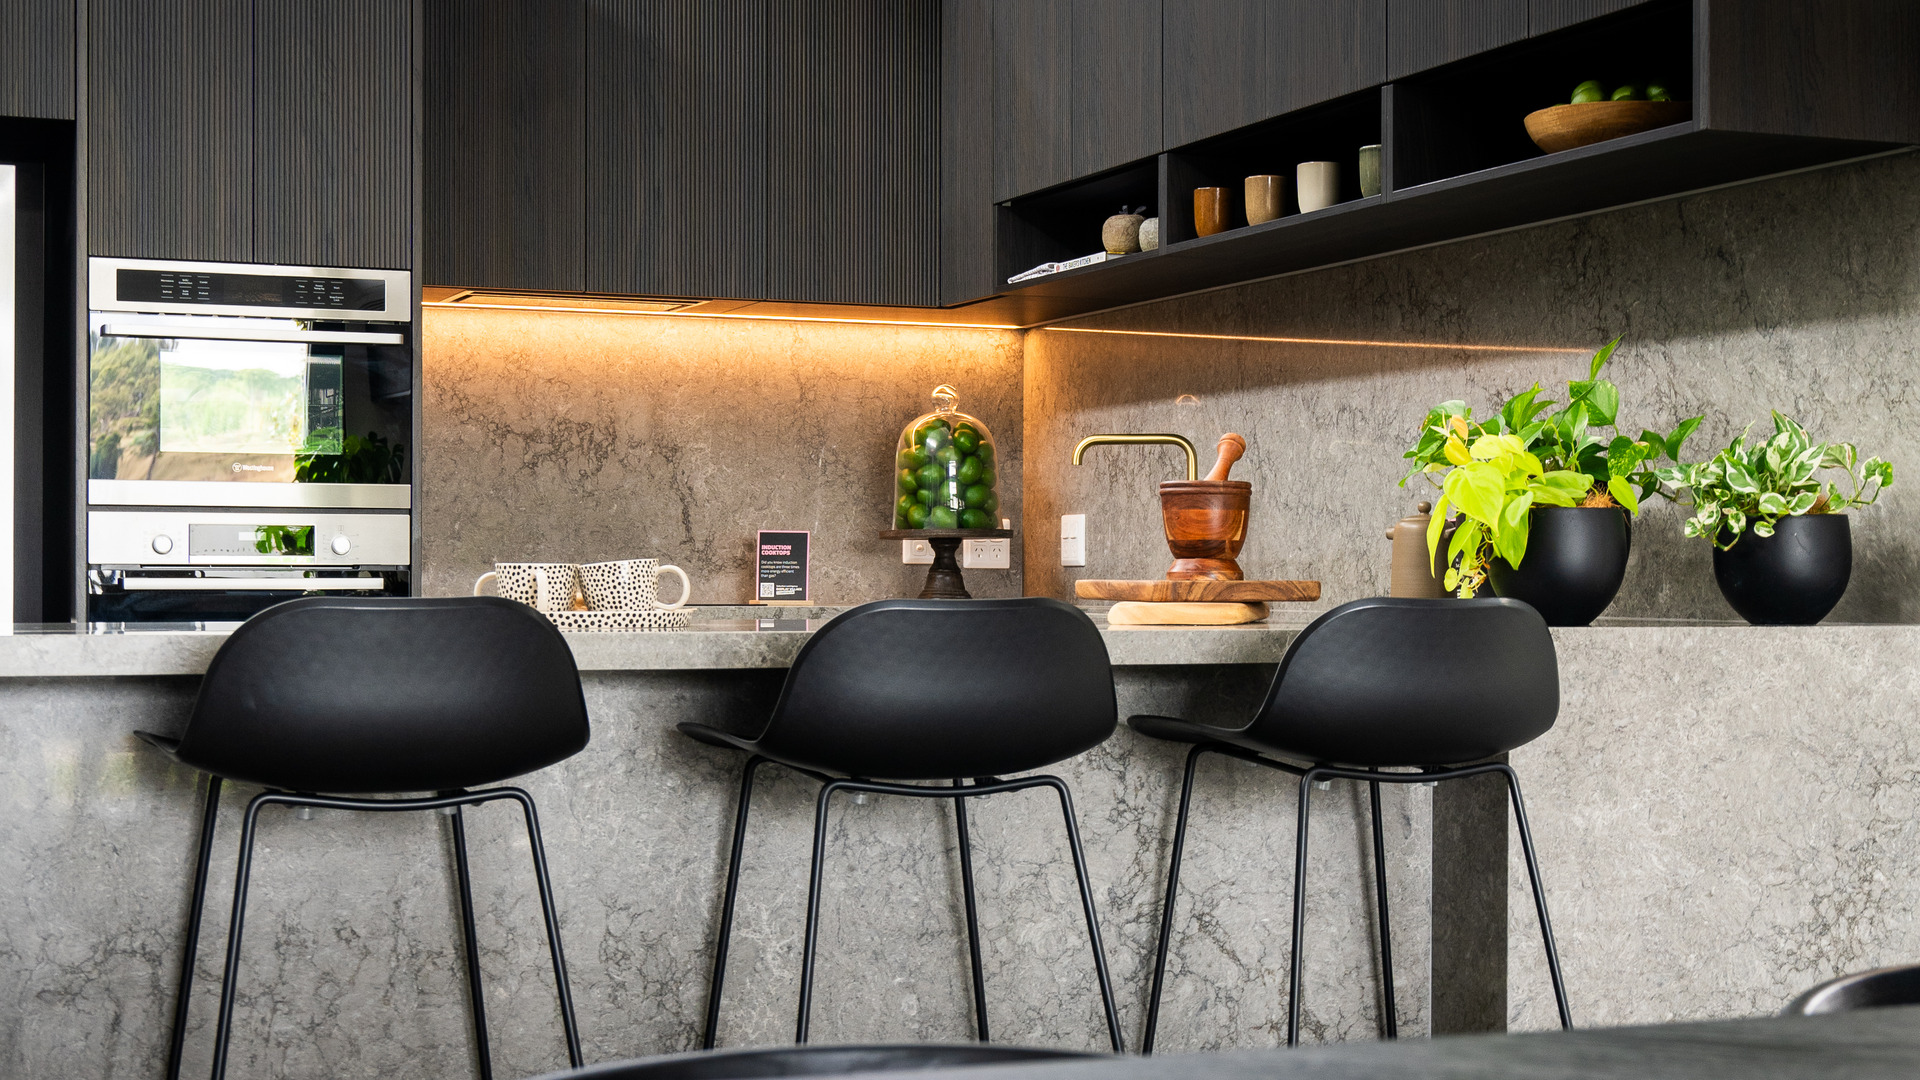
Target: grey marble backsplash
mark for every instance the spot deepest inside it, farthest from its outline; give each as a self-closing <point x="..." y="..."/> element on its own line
<point x="1800" y="293"/>
<point x="582" y="437"/>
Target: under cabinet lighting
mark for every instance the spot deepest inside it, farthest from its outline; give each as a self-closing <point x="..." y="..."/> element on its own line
<point x="678" y="308"/>
<point x="1442" y="345"/>
<point x="605" y="305"/>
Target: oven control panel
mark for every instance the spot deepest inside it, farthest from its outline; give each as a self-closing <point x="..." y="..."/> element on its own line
<point x="128" y="539"/>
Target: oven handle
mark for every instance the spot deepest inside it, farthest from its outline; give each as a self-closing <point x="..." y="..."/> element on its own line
<point x="250" y="333"/>
<point x="164" y="584"/>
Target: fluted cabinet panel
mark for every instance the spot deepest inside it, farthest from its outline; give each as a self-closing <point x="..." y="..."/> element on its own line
<point x="676" y="138"/>
<point x="170" y="130"/>
<point x="1032" y="95"/>
<point x="1427" y="33"/>
<point x="333" y="146"/>
<point x="1114" y="60"/>
<point x="36" y="58"/>
<point x="1545" y="16"/>
<point x="505" y="144"/>
<point x="853" y="151"/>
<point x="966" y="150"/>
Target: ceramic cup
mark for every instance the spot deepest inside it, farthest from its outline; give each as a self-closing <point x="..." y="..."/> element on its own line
<point x="1209" y="210"/>
<point x="630" y="585"/>
<point x="1369" y="171"/>
<point x="547" y="587"/>
<point x="1150" y="234"/>
<point x="1266" y="195"/>
<point x="1317" y="185"/>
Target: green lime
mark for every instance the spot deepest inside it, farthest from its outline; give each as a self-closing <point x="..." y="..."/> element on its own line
<point x="970" y="470"/>
<point x="924" y="496"/>
<point x="934" y="438"/>
<point x="946" y="455"/>
<point x="988" y="476"/>
<point x="986" y="452"/>
<point x="951" y="494"/>
<point x="930" y="475"/>
<point x="906" y="480"/>
<point x="1629" y="92"/>
<point x="1658" y="92"/>
<point x="977" y="495"/>
<point x="967" y="439"/>
<point x="972" y="518"/>
<point x="1591" y="90"/>
<point x="917" y="517"/>
<point x="991" y="504"/>
<point x="910" y="458"/>
<point x="942" y="518"/>
<point x="903" y="504"/>
<point x="900" y="521"/>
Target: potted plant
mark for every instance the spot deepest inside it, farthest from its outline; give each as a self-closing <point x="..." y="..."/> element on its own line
<point x="1542" y="495"/>
<point x="1782" y="548"/>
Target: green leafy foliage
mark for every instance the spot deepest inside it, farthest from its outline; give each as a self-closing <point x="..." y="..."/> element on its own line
<point x="1529" y="453"/>
<point x="372" y="460"/>
<point x="1750" y="487"/>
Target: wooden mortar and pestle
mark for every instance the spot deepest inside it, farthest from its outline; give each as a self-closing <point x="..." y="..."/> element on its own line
<point x="1206" y="520"/>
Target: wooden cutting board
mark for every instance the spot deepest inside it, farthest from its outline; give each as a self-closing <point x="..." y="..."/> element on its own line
<point x="1198" y="590"/>
<point x="1138" y="613"/>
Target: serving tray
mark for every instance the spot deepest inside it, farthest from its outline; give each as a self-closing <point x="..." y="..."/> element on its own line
<point x="1198" y="590"/>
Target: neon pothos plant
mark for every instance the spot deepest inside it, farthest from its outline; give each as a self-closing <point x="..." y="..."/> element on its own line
<point x="1529" y="454"/>
<point x="1750" y="488"/>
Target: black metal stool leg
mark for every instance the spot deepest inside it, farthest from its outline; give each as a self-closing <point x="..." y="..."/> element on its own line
<point x="813" y="910"/>
<point x="1093" y="920"/>
<point x="223" y="1024"/>
<point x="178" y="1041"/>
<point x="1299" y="908"/>
<point x="1389" y="1012"/>
<point x="1166" y="910"/>
<point x="561" y="988"/>
<point x="973" y="916"/>
<point x="471" y="942"/>
<point x="1539" y="899"/>
<point x="726" y="905"/>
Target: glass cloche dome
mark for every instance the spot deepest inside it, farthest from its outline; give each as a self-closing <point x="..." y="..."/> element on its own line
<point x="944" y="470"/>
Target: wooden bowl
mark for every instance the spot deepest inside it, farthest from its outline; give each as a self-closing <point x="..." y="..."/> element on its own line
<point x="1206" y="522"/>
<point x="1564" y="127"/>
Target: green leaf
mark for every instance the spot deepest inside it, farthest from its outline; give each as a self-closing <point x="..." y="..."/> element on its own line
<point x="1802" y="503"/>
<point x="1600" y="358"/>
<point x="1623" y="493"/>
<point x="1680" y="434"/>
<point x="1604" y="403"/>
<point x="1763" y="528"/>
<point x="1478" y="490"/>
<point x="1740" y="479"/>
<point x="1772" y="502"/>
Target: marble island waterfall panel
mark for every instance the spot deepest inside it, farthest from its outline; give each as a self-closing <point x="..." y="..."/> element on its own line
<point x="352" y="965"/>
<point x="1800" y="293"/>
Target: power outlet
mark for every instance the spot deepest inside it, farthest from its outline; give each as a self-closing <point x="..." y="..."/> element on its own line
<point x="1073" y="539"/>
<point x="987" y="555"/>
<point x="916" y="552"/>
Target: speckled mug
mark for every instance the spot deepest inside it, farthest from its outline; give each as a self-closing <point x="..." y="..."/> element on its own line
<point x="547" y="587"/>
<point x="630" y="585"/>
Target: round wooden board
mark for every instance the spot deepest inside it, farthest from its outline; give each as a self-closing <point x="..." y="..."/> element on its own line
<point x="1132" y="613"/>
<point x="1198" y="590"/>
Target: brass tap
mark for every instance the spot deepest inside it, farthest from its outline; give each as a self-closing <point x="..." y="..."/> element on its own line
<point x="1193" y="459"/>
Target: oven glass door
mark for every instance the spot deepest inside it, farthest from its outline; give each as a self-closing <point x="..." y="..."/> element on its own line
<point x="242" y="400"/>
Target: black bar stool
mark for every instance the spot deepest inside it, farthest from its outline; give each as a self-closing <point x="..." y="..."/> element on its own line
<point x="786" y="1061"/>
<point x="862" y="700"/>
<point x="366" y="696"/>
<point x="1437" y="686"/>
<point x="1877" y="989"/>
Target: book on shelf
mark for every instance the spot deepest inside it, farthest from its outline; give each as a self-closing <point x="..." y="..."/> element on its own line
<point x="1046" y="268"/>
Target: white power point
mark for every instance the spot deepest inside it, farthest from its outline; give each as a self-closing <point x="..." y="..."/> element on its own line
<point x="916" y="551"/>
<point x="1073" y="539"/>
<point x="987" y="555"/>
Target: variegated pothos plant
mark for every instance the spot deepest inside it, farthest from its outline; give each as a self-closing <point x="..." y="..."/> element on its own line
<point x="1751" y="487"/>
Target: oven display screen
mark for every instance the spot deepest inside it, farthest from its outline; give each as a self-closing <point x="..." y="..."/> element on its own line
<point x="250" y="290"/>
<point x="221" y="541"/>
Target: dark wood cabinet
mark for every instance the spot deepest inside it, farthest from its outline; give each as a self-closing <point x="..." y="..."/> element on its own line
<point x="1231" y="63"/>
<point x="1032" y="100"/>
<point x="966" y="150"/>
<point x="505" y="144"/>
<point x="852" y="152"/>
<point x="36" y="58"/>
<point x="235" y="131"/>
<point x="333" y="134"/>
<point x="1114" y="83"/>
<point x="1546" y="16"/>
<point x="1427" y="33"/>
<point x="676" y="105"/>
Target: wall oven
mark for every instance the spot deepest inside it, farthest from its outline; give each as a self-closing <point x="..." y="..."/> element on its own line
<point x="249" y="437"/>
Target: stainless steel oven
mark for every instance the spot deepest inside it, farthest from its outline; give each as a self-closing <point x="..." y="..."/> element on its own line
<point x="249" y="436"/>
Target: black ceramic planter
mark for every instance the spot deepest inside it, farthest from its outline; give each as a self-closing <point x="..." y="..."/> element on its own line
<point x="1792" y="578"/>
<point x="1576" y="558"/>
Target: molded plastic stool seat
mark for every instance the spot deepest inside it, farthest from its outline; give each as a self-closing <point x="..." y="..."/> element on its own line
<point x="786" y="1061"/>
<point x="1874" y="989"/>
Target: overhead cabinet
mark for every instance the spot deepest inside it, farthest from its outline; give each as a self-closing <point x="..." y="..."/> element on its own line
<point x="1077" y="89"/>
<point x="251" y="132"/>
<point x="1231" y="63"/>
<point x="36" y="59"/>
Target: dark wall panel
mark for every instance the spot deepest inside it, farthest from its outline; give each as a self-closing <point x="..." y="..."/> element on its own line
<point x="505" y="144"/>
<point x="852" y="157"/>
<point x="1427" y="33"/>
<point x="1032" y="77"/>
<point x="966" y="150"/>
<point x="333" y="134"/>
<point x="1545" y="16"/>
<point x="676" y="179"/>
<point x="170" y="130"/>
<point x="36" y="58"/>
<point x="1115" y="61"/>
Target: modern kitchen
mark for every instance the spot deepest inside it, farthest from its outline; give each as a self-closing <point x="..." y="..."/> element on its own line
<point x="1018" y="538"/>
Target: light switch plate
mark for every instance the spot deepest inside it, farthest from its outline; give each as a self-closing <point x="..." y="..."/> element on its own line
<point x="1073" y="539"/>
<point x="986" y="555"/>
<point x="916" y="552"/>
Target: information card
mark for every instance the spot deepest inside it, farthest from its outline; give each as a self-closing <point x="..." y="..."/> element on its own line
<point x="782" y="574"/>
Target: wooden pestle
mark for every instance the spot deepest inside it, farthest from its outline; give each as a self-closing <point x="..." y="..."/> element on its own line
<point x="1231" y="447"/>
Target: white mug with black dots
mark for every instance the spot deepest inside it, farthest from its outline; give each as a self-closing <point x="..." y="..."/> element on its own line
<point x="546" y="587"/>
<point x="630" y="585"/>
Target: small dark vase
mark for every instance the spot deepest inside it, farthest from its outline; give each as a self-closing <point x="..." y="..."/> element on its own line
<point x="1792" y="578"/>
<point x="1576" y="559"/>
